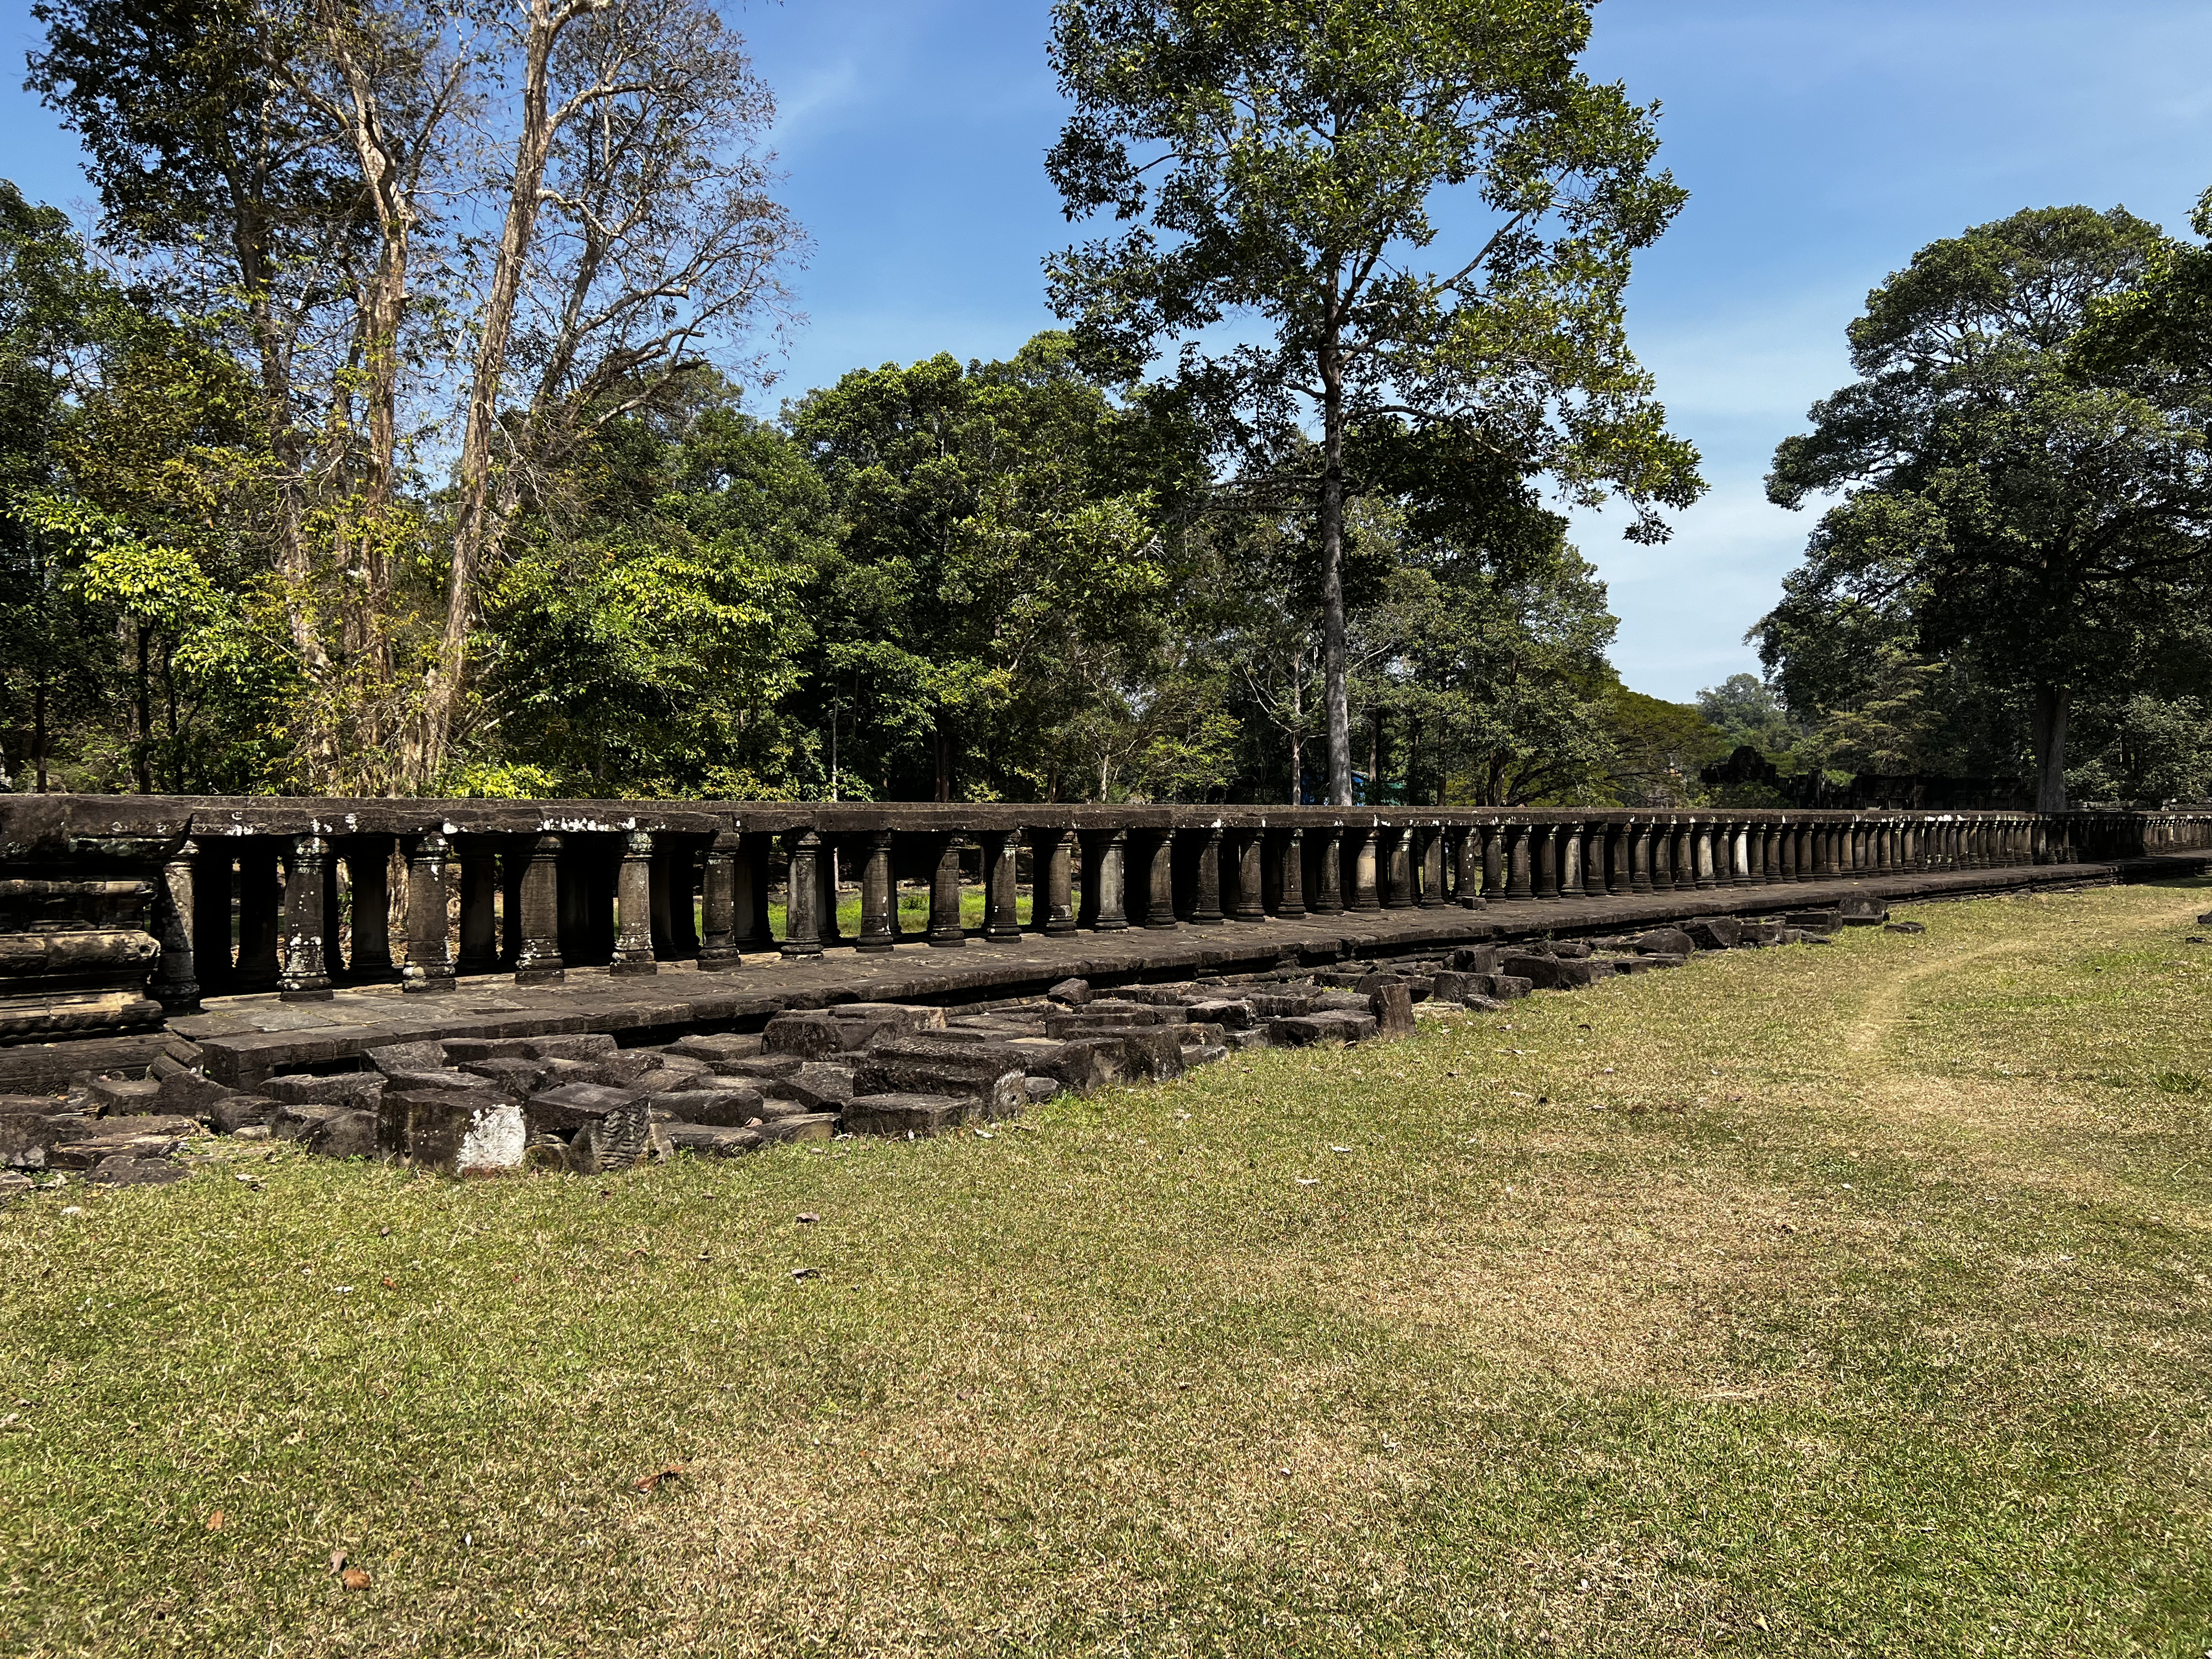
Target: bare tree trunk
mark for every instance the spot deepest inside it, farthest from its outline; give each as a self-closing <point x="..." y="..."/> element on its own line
<point x="478" y="526"/>
<point x="1332" y="573"/>
<point x="1297" y="727"/>
<point x="2053" y="705"/>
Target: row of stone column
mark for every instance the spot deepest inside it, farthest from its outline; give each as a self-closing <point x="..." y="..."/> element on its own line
<point x="535" y="905"/>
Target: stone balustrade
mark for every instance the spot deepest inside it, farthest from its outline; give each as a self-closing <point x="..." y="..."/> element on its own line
<point x="99" y="895"/>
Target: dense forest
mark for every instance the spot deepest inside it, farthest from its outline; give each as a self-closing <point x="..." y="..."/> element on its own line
<point x="388" y="432"/>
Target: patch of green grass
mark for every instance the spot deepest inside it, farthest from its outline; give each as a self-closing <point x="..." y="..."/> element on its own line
<point x="1843" y="1300"/>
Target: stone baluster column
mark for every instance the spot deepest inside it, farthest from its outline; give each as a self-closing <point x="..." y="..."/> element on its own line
<point x="1519" y="859"/>
<point x="1431" y="869"/>
<point x="802" y="894"/>
<point x="538" y="959"/>
<point x="1247" y="902"/>
<point x="1001" y="886"/>
<point x="429" y="968"/>
<point x="945" y="931"/>
<point x="303" y="978"/>
<point x="1663" y="856"/>
<point x="1700" y="862"/>
<point x="1637" y="837"/>
<point x="1545" y="842"/>
<point x="479" y="910"/>
<point x="212" y="881"/>
<point x="1394" y="866"/>
<point x="1105" y="881"/>
<point x="260" y="889"/>
<point x="1328" y="872"/>
<point x="1737" y="834"/>
<point x="1570" y="841"/>
<point x="1496" y="845"/>
<point x="1290" y="886"/>
<point x="176" y="985"/>
<point x="1683" y="855"/>
<point x="1205" y="895"/>
<point x="1154" y="883"/>
<point x="719" y="952"/>
<point x="1052" y="882"/>
<point x="634" y="952"/>
<point x="878" y="893"/>
<point x="1366" y="870"/>
<point x="1468" y="890"/>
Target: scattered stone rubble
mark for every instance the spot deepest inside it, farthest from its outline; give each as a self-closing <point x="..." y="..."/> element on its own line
<point x="581" y="1103"/>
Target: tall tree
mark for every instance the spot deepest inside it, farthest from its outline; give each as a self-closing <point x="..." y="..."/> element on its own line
<point x="1303" y="149"/>
<point x="2010" y="499"/>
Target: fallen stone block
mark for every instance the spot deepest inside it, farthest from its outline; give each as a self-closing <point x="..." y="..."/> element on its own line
<point x="1279" y="1004"/>
<point x="730" y="1108"/>
<point x="1814" y="921"/>
<point x="1070" y="993"/>
<point x="712" y="1140"/>
<point x="956" y="1071"/>
<point x="810" y="1035"/>
<point x="818" y="1085"/>
<point x="1475" y="959"/>
<point x="1330" y="1026"/>
<point x="576" y="1045"/>
<point x="573" y="1106"/>
<point x="359" y="1090"/>
<point x="235" y="1112"/>
<point x="451" y="1133"/>
<point x="510" y="1073"/>
<point x="1548" y="973"/>
<point x="1664" y="959"/>
<point x="1393" y="1008"/>
<point x="1905" y="928"/>
<point x="760" y="1067"/>
<point x="871" y="1020"/>
<point x="14" y="1185"/>
<point x="189" y="1094"/>
<point x="29" y="1105"/>
<point x="616" y="1140"/>
<point x="895" y="1113"/>
<point x="1568" y="950"/>
<point x="618" y="1071"/>
<point x="1665" y="942"/>
<point x="436" y="1076"/>
<point x="1040" y="1089"/>
<point x="460" y="1051"/>
<point x="719" y="1045"/>
<point x="123" y="1169"/>
<point x="803" y="1126"/>
<point x="395" y="1058"/>
<point x="296" y="1119"/>
<point x="1236" y="1016"/>
<point x="1713" y="933"/>
<point x="1759" y="933"/>
<point x="1861" y="911"/>
<point x="116" y="1095"/>
<point x="25" y="1141"/>
<point x="89" y="1152"/>
<point x="1628" y="964"/>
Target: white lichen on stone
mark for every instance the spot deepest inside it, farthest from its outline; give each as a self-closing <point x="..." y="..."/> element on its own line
<point x="496" y="1140"/>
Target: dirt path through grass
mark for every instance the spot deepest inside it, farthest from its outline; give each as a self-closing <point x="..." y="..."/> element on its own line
<point x="1847" y="1300"/>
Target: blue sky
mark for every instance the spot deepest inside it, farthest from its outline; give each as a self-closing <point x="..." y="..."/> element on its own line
<point x="1822" y="142"/>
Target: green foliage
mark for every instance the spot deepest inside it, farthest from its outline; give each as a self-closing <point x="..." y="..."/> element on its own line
<point x="1660" y="747"/>
<point x="2014" y="504"/>
<point x="1282" y="162"/>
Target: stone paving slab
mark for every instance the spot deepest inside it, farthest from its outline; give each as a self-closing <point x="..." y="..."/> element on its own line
<point x="249" y="1038"/>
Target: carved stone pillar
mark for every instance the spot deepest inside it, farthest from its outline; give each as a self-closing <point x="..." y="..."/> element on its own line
<point x="1683" y="855"/>
<point x="429" y="968"/>
<point x="1519" y="861"/>
<point x="1569" y="838"/>
<point x="1052" y="882"/>
<point x="1001" y="889"/>
<point x="303" y="978"/>
<point x="878" y="894"/>
<point x="1366" y="870"/>
<point x="1328" y="872"/>
<point x="634" y="900"/>
<point x="1493" y="862"/>
<point x="718" y="904"/>
<point x="1248" y="899"/>
<point x="1155" y="886"/>
<point x="538" y="960"/>
<point x="176" y="984"/>
<point x="1104" y="907"/>
<point x="1430" y="842"/>
<point x="479" y="910"/>
<point x="1468" y="891"/>
<point x="802" y="894"/>
<point x="1395" y="868"/>
<point x="1288" y="852"/>
<point x="333" y="918"/>
<point x="1545" y="837"/>
<point x="1638" y="837"/>
<point x="1206" y="899"/>
<point x="945" y="931"/>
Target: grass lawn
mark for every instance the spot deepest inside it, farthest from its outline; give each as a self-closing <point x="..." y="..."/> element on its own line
<point x="1852" y="1300"/>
